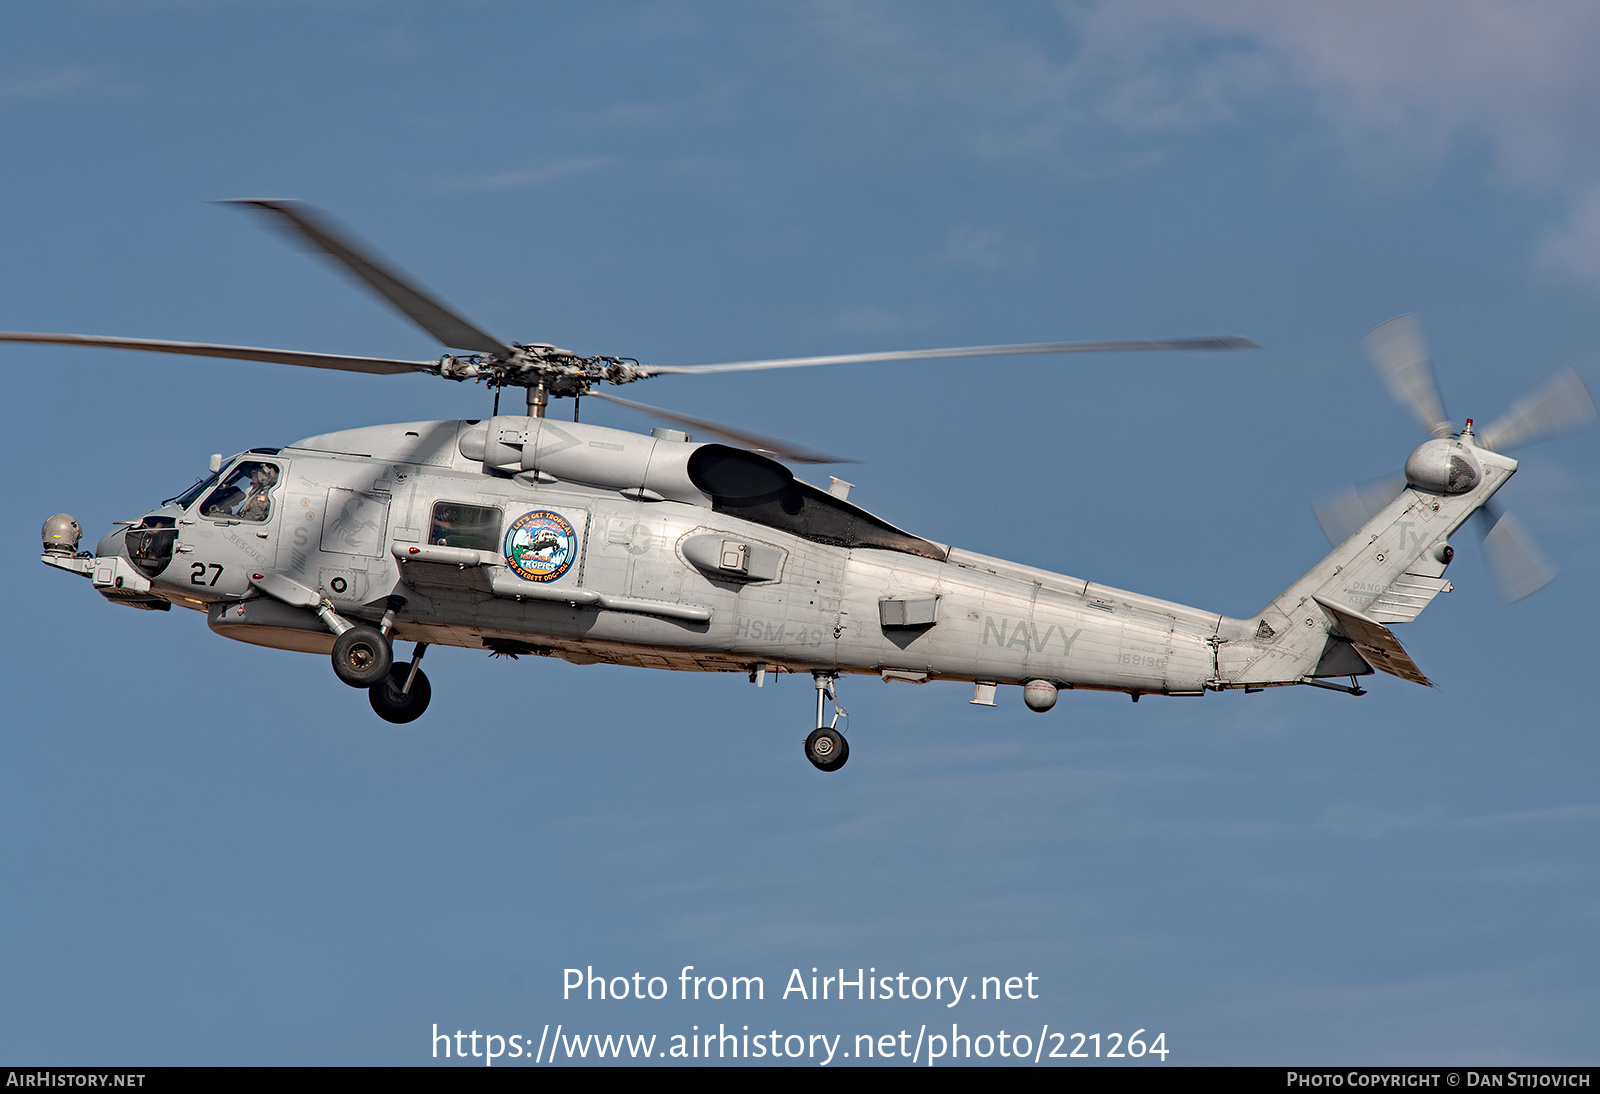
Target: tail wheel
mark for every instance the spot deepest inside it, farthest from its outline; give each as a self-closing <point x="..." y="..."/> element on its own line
<point x="827" y="749"/>
<point x="392" y="703"/>
<point x="361" y="656"/>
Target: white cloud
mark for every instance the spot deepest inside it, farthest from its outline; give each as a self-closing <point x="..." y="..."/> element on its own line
<point x="1398" y="86"/>
<point x="67" y="82"/>
<point x="1369" y="822"/>
<point x="535" y="176"/>
<point x="398" y="43"/>
<point x="1418" y="77"/>
<point x="985" y="248"/>
<point x="1573" y="248"/>
<point x="869" y="319"/>
<point x="1529" y="873"/>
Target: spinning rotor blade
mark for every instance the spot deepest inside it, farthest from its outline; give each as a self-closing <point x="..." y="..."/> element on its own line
<point x="1519" y="568"/>
<point x="1562" y="404"/>
<point x="1224" y="342"/>
<point x="379" y="365"/>
<point x="1341" y="514"/>
<point x="782" y="449"/>
<point x="1401" y="357"/>
<point x="315" y="228"/>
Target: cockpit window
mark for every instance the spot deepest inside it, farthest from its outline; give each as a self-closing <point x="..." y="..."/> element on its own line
<point x="475" y="527"/>
<point x="245" y="493"/>
<point x="189" y="496"/>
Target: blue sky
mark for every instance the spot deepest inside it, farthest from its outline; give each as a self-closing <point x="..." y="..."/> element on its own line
<point x="215" y="854"/>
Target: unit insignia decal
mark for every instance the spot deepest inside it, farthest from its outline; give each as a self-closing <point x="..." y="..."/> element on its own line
<point x="541" y="546"/>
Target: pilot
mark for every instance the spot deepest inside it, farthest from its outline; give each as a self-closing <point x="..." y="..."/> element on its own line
<point x="257" y="504"/>
<point x="221" y="503"/>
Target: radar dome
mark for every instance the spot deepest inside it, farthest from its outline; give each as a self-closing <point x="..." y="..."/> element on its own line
<point x="1040" y="695"/>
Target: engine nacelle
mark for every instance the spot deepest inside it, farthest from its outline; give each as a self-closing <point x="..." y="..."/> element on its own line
<point x="592" y="455"/>
<point x="653" y="467"/>
<point x="1443" y="466"/>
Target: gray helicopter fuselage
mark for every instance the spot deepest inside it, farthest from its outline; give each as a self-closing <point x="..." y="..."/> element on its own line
<point x="640" y="566"/>
<point x="530" y="535"/>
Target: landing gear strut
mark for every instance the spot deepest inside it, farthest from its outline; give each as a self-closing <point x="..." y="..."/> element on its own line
<point x="403" y="694"/>
<point x="826" y="747"/>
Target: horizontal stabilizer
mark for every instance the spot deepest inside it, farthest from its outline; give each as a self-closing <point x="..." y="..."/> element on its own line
<point x="1376" y="644"/>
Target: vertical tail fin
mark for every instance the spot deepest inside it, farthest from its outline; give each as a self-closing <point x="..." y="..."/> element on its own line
<point x="1331" y="622"/>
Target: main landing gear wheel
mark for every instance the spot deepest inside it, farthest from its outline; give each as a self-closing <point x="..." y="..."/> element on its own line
<point x="361" y="656"/>
<point x="827" y="749"/>
<point x="393" y="703"/>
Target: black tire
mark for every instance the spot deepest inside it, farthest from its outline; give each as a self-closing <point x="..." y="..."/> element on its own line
<point x="827" y="749"/>
<point x="393" y="706"/>
<point x="362" y="656"/>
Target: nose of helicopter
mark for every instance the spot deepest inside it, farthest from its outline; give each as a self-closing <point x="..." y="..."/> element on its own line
<point x="113" y="544"/>
<point x="121" y="571"/>
<point x="62" y="533"/>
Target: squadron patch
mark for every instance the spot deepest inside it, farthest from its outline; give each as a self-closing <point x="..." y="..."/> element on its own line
<point x="541" y="546"/>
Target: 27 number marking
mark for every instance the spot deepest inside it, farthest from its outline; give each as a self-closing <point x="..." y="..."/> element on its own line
<point x="197" y="573"/>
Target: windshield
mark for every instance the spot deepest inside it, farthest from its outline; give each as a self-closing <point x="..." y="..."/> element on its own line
<point x="245" y="494"/>
<point x="187" y="498"/>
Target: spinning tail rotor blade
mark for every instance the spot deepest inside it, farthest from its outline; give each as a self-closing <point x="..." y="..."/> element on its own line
<point x="1400" y="355"/>
<point x="378" y="365"/>
<point x="1341" y="514"/>
<point x="1519" y="568"/>
<point x="1561" y="404"/>
<point x="782" y="449"/>
<point x="309" y="226"/>
<point x="1222" y="342"/>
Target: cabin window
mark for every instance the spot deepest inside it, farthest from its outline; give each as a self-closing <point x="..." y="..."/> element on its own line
<point x="245" y="493"/>
<point x="475" y="527"/>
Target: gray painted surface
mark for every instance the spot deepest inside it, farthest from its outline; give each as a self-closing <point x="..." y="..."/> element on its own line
<point x="600" y="547"/>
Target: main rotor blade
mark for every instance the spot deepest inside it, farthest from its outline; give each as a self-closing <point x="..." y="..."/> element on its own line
<point x="1400" y="355"/>
<point x="379" y="365"/>
<point x="310" y="226"/>
<point x="1519" y="568"/>
<point x="1224" y="342"/>
<point x="1561" y="404"/>
<point x="783" y="449"/>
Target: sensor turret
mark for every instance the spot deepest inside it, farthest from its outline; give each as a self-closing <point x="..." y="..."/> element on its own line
<point x="61" y="535"/>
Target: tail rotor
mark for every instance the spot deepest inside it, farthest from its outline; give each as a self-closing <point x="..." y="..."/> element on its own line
<point x="1519" y="569"/>
<point x="1400" y="354"/>
<point x="1562" y="404"/>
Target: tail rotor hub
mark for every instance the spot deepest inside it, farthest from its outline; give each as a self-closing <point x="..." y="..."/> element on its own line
<point x="1443" y="467"/>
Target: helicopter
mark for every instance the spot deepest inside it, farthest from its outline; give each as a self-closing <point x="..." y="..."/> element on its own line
<point x="522" y="534"/>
